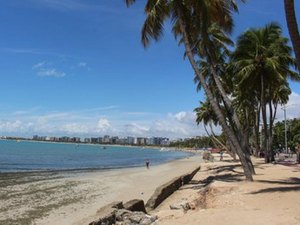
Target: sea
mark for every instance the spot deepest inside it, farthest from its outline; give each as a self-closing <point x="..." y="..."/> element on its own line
<point x="26" y="156"/>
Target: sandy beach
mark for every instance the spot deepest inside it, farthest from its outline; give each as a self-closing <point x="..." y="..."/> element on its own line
<point x="218" y="193"/>
<point x="220" y="196"/>
<point x="73" y="198"/>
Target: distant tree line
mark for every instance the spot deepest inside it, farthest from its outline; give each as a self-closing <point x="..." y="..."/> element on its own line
<point x="293" y="134"/>
<point x="197" y="142"/>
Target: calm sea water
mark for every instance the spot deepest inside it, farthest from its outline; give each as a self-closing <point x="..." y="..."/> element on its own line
<point x="32" y="156"/>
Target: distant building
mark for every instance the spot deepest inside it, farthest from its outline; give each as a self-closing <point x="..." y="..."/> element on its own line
<point x="130" y="140"/>
<point x="114" y="140"/>
<point x="96" y="140"/>
<point x="106" y="139"/>
<point x="141" y="141"/>
<point x="87" y="140"/>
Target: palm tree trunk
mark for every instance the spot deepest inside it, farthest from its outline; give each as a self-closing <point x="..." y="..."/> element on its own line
<point x="264" y="116"/>
<point x="229" y="133"/>
<point x="293" y="28"/>
<point x="230" y="149"/>
<point x="227" y="101"/>
<point x="271" y="114"/>
<point x="256" y="132"/>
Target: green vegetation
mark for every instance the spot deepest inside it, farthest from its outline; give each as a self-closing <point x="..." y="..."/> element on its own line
<point x="293" y="134"/>
<point x="255" y="75"/>
<point x="198" y="142"/>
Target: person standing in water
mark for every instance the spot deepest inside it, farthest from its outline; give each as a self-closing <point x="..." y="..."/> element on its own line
<point x="147" y="163"/>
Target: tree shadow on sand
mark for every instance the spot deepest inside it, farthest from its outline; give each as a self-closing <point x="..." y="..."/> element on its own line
<point x="227" y="168"/>
<point x="277" y="189"/>
<point x="290" y="181"/>
<point x="228" y="177"/>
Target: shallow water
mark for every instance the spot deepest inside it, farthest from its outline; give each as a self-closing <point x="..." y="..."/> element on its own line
<point x="39" y="156"/>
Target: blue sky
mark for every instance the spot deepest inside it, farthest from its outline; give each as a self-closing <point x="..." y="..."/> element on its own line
<point x="77" y="67"/>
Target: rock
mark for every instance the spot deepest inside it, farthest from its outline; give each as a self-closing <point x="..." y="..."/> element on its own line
<point x="122" y="214"/>
<point x="107" y="214"/>
<point x="135" y="205"/>
<point x="183" y="205"/>
<point x="148" y="220"/>
<point x="136" y="217"/>
<point x="192" y="205"/>
<point x="107" y="220"/>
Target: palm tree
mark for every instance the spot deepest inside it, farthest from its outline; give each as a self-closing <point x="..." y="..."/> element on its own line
<point x="261" y="63"/>
<point x="191" y="19"/>
<point x="205" y="115"/>
<point x="291" y="20"/>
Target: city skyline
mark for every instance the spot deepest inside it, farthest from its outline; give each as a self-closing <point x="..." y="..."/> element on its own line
<point x="74" y="67"/>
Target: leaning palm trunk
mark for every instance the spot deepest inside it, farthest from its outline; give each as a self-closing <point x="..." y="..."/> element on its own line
<point x="230" y="149"/>
<point x="265" y="124"/>
<point x="229" y="132"/>
<point x="227" y="101"/>
<point x="234" y="121"/>
<point x="293" y="28"/>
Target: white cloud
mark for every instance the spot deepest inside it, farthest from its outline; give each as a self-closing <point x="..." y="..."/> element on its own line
<point x="24" y="112"/>
<point x="86" y="122"/>
<point x="82" y="64"/>
<point x="135" y="129"/>
<point x="184" y="117"/>
<point x="43" y="70"/>
<point x="50" y="73"/>
<point x="63" y="4"/>
<point x="292" y="108"/>
<point x="103" y="125"/>
<point x="39" y="65"/>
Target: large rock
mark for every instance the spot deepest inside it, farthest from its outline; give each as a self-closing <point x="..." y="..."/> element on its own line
<point x="135" y="205"/>
<point x="107" y="214"/>
<point x="109" y="219"/>
<point x="126" y="217"/>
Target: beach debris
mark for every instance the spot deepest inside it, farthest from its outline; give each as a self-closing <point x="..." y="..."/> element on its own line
<point x="126" y="217"/>
<point x="131" y="213"/>
<point x="207" y="156"/>
<point x="182" y="205"/>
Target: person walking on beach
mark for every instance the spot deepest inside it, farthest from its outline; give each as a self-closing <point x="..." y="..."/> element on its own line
<point x="147" y="163"/>
<point x="221" y="155"/>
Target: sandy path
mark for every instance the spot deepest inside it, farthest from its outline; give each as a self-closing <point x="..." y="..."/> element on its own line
<point x="273" y="199"/>
<point x="74" y="198"/>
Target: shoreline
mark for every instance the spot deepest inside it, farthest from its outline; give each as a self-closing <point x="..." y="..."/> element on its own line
<point x="58" y="198"/>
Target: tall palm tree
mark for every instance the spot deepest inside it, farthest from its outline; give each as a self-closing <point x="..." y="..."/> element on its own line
<point x="191" y="19"/>
<point x="261" y="62"/>
<point x="291" y="20"/>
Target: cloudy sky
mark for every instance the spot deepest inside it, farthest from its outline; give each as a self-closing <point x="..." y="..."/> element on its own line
<point x="77" y="67"/>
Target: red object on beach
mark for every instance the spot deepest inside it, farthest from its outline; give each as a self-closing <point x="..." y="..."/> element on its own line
<point x="215" y="150"/>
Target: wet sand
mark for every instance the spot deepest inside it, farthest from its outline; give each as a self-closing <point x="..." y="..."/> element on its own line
<point x="73" y="198"/>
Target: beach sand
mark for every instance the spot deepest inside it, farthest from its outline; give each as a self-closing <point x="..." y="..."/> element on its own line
<point x="73" y="198"/>
<point x="272" y="199"/>
<point x="218" y="192"/>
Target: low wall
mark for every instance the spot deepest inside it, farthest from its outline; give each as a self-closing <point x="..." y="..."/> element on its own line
<point x="108" y="212"/>
<point x="165" y="190"/>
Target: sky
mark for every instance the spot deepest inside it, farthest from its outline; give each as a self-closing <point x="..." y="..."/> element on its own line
<point x="78" y="68"/>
